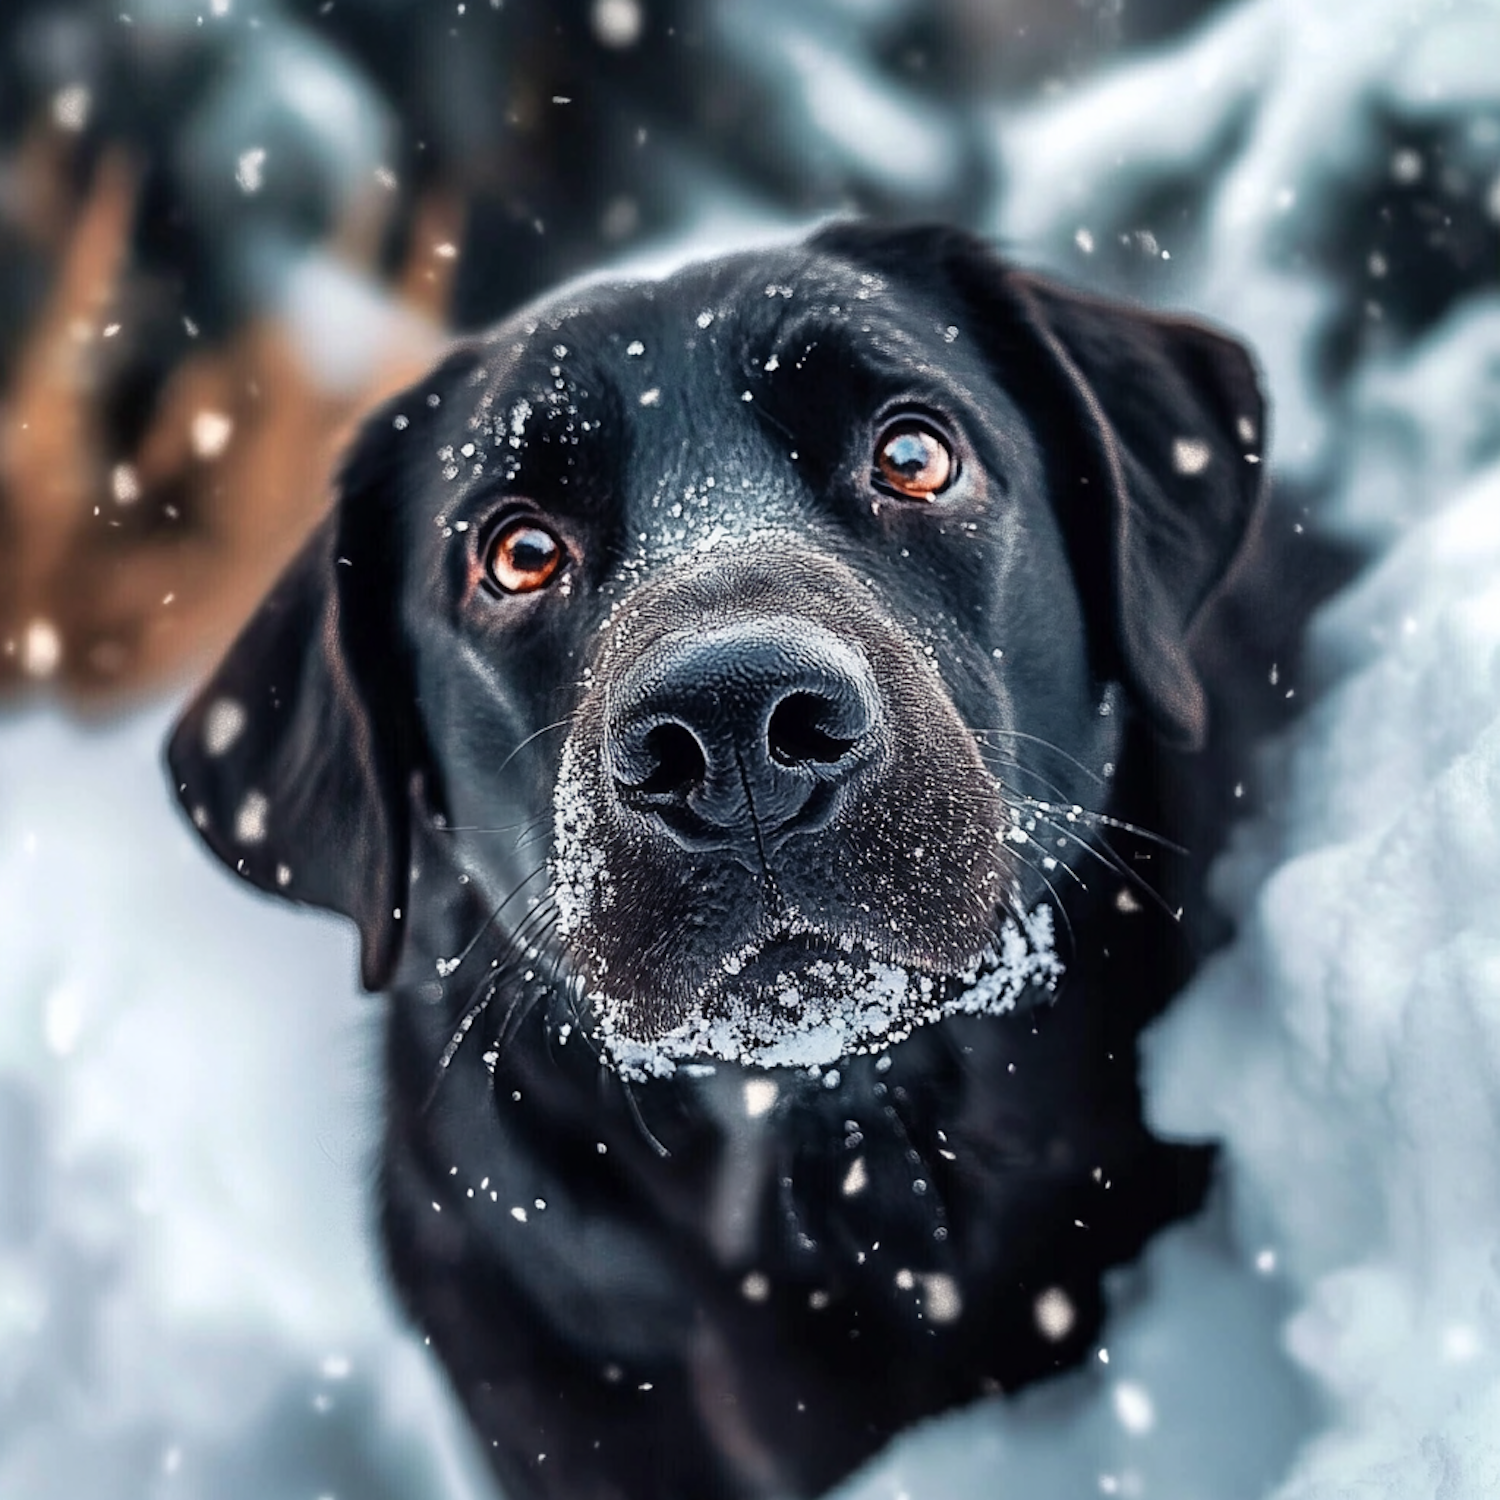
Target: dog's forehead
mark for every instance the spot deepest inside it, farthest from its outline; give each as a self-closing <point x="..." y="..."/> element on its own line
<point x="624" y="395"/>
<point x="706" y="333"/>
<point x="705" y="304"/>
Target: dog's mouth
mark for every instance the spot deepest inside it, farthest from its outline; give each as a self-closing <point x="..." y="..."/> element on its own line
<point x="802" y="999"/>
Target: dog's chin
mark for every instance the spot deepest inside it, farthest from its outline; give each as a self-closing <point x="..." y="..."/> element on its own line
<point x="806" y="999"/>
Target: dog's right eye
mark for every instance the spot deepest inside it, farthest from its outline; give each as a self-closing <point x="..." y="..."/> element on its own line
<point x="523" y="556"/>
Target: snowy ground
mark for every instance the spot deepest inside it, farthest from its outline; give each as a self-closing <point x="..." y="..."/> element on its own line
<point x="189" y="1302"/>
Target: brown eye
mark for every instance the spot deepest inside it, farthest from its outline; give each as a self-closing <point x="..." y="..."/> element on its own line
<point x="523" y="557"/>
<point x="914" y="461"/>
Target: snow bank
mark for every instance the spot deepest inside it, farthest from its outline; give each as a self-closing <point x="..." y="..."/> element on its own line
<point x="189" y="1301"/>
<point x="1347" y="1048"/>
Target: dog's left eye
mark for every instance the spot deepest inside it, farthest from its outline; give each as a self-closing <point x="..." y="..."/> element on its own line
<point x="523" y="557"/>
<point x="913" y="461"/>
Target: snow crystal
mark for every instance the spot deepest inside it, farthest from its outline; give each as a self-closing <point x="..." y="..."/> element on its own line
<point x="211" y="431"/>
<point x="250" y="820"/>
<point x="942" y="1301"/>
<point x="71" y="107"/>
<point x="760" y="1095"/>
<point x="1055" y="1314"/>
<point x="621" y="218"/>
<point x="1407" y="167"/>
<point x="223" y="724"/>
<point x="249" y="170"/>
<point x="617" y="23"/>
<point x="125" y="484"/>
<point x="41" y="649"/>
<point x="1190" y="455"/>
<point x="520" y="414"/>
<point x="1134" y="1407"/>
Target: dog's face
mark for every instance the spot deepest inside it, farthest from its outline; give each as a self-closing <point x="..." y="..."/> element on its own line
<point x="731" y="668"/>
<point x="714" y="618"/>
<point x="741" y="564"/>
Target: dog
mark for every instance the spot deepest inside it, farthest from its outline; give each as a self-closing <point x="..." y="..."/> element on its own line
<point x="737" y="711"/>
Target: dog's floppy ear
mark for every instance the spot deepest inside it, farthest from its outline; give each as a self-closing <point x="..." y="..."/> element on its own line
<point x="296" y="760"/>
<point x="1158" y="424"/>
<point x="1152" y="428"/>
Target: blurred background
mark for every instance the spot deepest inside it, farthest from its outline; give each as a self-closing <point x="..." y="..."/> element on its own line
<point x="226" y="228"/>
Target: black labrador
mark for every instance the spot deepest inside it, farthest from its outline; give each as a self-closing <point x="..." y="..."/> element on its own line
<point x="727" y="706"/>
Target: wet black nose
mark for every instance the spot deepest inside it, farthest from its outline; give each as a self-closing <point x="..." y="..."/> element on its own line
<point x="743" y="732"/>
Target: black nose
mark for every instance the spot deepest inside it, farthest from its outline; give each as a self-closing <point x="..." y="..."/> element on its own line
<point x="742" y="732"/>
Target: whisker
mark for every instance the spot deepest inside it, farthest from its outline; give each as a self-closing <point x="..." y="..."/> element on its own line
<point x="556" y="724"/>
<point x="1033" y="739"/>
<point x="475" y="1008"/>
<point x="1007" y="761"/>
<point x="527" y="994"/>
<point x="1065" y="803"/>
<point x="539" y="915"/>
<point x="562" y="723"/>
<point x="529" y="836"/>
<point x="520" y="1007"/>
<point x="1074" y="811"/>
<point x="640" y="1120"/>
<point x="450" y="1051"/>
<point x="1057" y="901"/>
<point x="480" y="827"/>
<point x="1110" y="858"/>
<point x="456" y="963"/>
<point x="1134" y="829"/>
<point x="786" y="1175"/>
<point x="766" y="416"/>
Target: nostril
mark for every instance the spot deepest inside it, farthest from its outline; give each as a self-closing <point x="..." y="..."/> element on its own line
<point x="797" y="732"/>
<point x="672" y="760"/>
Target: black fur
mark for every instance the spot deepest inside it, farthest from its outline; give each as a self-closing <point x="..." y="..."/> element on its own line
<point x="801" y="716"/>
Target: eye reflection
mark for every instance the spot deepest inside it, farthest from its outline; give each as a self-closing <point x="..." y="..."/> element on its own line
<point x="913" y="461"/>
<point x="523" y="556"/>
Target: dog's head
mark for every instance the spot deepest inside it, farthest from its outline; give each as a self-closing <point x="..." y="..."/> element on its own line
<point x="704" y="626"/>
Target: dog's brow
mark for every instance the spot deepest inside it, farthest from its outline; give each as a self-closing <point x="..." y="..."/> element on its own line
<point x="883" y="346"/>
